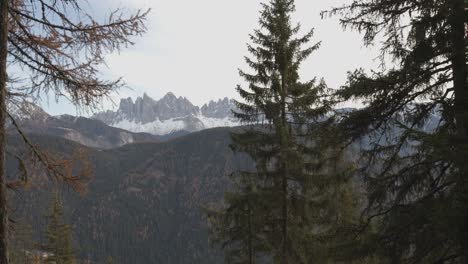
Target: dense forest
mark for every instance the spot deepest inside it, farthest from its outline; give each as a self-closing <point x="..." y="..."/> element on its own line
<point x="286" y="176"/>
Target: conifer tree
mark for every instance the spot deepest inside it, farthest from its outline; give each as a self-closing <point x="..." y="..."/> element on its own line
<point x="278" y="212"/>
<point x="416" y="116"/>
<point x="59" y="235"/>
<point x="237" y="227"/>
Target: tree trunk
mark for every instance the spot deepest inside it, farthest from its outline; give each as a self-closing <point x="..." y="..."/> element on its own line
<point x="285" y="217"/>
<point x="457" y="24"/>
<point x="285" y="174"/>
<point x="250" y="233"/>
<point x="3" y="179"/>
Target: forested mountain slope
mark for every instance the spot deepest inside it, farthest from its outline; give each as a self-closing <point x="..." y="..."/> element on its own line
<point x="143" y="205"/>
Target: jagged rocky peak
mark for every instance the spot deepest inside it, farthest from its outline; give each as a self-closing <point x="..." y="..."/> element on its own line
<point x="171" y="106"/>
<point x="168" y="97"/>
<point x="168" y="114"/>
<point x="218" y="109"/>
<point x="145" y="109"/>
<point x="126" y="105"/>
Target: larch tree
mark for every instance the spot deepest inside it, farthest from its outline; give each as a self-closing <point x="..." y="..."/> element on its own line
<point x="279" y="211"/>
<point x="415" y="120"/>
<point x="57" y="47"/>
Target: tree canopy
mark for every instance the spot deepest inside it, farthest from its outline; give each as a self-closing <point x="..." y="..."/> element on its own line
<point x="292" y="205"/>
<point x="415" y="119"/>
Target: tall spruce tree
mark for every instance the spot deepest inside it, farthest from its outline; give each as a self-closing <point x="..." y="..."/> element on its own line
<point x="279" y="211"/>
<point x="415" y="115"/>
<point x="59" y="235"/>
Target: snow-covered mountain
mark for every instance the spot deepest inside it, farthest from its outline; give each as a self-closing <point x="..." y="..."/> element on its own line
<point x="167" y="115"/>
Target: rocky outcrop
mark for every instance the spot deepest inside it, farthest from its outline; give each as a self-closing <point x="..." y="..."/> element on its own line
<point x="168" y="115"/>
<point x="218" y="109"/>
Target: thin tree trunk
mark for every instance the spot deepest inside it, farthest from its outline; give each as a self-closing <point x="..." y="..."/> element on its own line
<point x="457" y="24"/>
<point x="250" y="233"/>
<point x="3" y="82"/>
<point x="284" y="184"/>
<point x="285" y="216"/>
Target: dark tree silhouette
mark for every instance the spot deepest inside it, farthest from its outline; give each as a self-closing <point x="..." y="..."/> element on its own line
<point x="416" y="114"/>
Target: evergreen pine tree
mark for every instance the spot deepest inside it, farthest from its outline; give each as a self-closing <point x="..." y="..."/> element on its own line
<point x="284" y="210"/>
<point x="415" y="167"/>
<point x="59" y="235"/>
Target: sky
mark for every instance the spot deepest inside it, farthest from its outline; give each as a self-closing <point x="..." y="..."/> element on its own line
<point x="195" y="48"/>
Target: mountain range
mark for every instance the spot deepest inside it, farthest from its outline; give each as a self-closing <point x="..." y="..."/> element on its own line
<point x="145" y="120"/>
<point x="168" y="115"/>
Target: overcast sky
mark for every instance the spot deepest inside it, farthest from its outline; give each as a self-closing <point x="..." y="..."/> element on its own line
<point x="194" y="48"/>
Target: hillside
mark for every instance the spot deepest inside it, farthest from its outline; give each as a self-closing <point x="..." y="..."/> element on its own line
<point x="86" y="131"/>
<point x="143" y="205"/>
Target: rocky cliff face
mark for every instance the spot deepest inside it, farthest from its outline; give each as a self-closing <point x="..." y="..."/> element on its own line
<point x="218" y="109"/>
<point x="145" y="109"/>
<point x="169" y="114"/>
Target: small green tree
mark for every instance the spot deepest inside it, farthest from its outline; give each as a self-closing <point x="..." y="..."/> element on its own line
<point x="59" y="235"/>
<point x="239" y="221"/>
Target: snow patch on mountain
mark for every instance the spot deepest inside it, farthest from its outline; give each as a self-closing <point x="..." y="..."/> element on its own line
<point x="172" y="125"/>
<point x="156" y="127"/>
<point x="210" y="122"/>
